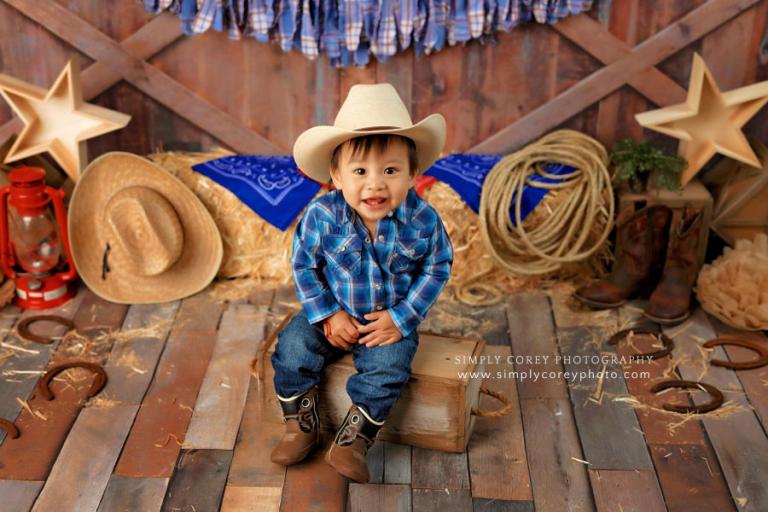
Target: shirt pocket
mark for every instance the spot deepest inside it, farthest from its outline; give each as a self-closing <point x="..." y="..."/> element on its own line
<point x="343" y="253"/>
<point x="408" y="252"/>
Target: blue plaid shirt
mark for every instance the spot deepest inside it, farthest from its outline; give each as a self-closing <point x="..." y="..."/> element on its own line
<point x="337" y="264"/>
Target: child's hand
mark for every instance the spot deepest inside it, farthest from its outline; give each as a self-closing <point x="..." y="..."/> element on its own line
<point x="341" y="329"/>
<point x="382" y="331"/>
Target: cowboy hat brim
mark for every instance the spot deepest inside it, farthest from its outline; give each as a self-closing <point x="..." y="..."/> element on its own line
<point x="313" y="148"/>
<point x="202" y="247"/>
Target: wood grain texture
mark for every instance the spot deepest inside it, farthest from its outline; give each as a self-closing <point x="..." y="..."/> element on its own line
<point x="559" y="481"/>
<point x="532" y="336"/>
<point x="687" y="29"/>
<point x="132" y="362"/>
<point x="439" y="470"/>
<point x="198" y="480"/>
<point x="156" y="436"/>
<point x="498" y="465"/>
<point x="246" y="499"/>
<point x="691" y="478"/>
<point x="145" y="77"/>
<point x="34" y="359"/>
<point x="609" y="430"/>
<point x="397" y="463"/>
<point x="314" y="486"/>
<point x="219" y="407"/>
<point x="19" y="495"/>
<point x="80" y="475"/>
<point x="129" y="494"/>
<point x="630" y="491"/>
<point x="745" y="469"/>
<point x="442" y="500"/>
<point x="31" y="455"/>
<point x="379" y="498"/>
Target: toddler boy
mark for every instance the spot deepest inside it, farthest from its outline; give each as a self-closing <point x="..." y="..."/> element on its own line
<point x="369" y="260"/>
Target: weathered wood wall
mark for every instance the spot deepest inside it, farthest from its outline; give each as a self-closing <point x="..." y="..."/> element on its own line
<point x="576" y="74"/>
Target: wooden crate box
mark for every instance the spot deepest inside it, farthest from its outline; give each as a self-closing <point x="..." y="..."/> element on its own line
<point x="694" y="195"/>
<point x="435" y="408"/>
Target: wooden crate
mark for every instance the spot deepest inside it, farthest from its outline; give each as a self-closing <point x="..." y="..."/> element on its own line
<point x="435" y="408"/>
<point x="740" y="194"/>
<point x="694" y="194"/>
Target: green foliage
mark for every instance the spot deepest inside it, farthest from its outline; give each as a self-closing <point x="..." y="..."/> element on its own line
<point x="636" y="161"/>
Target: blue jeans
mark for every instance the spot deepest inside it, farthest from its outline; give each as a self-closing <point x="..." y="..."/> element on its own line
<point x="302" y="352"/>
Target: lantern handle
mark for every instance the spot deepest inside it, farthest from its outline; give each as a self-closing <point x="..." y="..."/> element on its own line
<point x="5" y="258"/>
<point x="57" y="197"/>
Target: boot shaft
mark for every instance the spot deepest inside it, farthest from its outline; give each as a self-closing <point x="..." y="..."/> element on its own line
<point x="302" y="409"/>
<point x="356" y="426"/>
<point x="641" y="242"/>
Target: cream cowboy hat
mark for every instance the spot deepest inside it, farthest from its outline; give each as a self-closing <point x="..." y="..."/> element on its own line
<point x="138" y="235"/>
<point x="368" y="110"/>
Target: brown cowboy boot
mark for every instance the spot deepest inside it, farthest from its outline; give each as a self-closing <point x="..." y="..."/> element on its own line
<point x="671" y="300"/>
<point x="640" y="245"/>
<point x="302" y="429"/>
<point x="347" y="453"/>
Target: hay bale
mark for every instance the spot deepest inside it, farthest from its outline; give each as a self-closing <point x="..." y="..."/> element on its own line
<point x="253" y="248"/>
<point x="257" y="254"/>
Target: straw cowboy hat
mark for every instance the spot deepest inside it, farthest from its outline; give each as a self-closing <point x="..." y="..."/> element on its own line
<point x="368" y="110"/>
<point x="138" y="234"/>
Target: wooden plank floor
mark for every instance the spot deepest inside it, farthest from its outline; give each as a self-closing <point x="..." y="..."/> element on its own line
<point x="182" y="424"/>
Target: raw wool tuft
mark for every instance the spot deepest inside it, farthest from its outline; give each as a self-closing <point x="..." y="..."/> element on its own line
<point x="734" y="288"/>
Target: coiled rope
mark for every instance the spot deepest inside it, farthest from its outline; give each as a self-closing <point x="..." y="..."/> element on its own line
<point x="578" y="225"/>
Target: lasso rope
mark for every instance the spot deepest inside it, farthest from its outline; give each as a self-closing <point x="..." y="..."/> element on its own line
<point x="564" y="236"/>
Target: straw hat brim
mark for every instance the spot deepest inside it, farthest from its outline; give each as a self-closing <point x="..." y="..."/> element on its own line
<point x="202" y="250"/>
<point x="313" y="148"/>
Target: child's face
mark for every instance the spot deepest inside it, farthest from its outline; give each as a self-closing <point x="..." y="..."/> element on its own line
<point x="375" y="184"/>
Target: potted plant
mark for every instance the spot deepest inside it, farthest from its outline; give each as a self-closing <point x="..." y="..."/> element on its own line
<point x="636" y="162"/>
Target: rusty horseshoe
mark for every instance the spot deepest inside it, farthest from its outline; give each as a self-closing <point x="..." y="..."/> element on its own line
<point x="25" y="332"/>
<point x="669" y="345"/>
<point x="10" y="427"/>
<point x="762" y="351"/>
<point x="43" y="385"/>
<point x="716" y="394"/>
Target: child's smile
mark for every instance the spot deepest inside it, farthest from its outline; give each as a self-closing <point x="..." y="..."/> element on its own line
<point x="375" y="184"/>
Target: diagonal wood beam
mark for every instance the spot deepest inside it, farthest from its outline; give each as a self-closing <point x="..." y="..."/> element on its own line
<point x="592" y="37"/>
<point x="599" y="84"/>
<point x="145" y="77"/>
<point x="97" y="78"/>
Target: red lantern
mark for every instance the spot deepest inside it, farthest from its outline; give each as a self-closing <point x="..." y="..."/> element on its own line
<point x="31" y="255"/>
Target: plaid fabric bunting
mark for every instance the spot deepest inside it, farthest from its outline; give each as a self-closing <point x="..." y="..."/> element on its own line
<point x="350" y="31"/>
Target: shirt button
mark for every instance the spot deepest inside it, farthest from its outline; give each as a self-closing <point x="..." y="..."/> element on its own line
<point x="381" y="238"/>
<point x="379" y="308"/>
<point x="378" y="286"/>
<point x="390" y="214"/>
<point x="411" y="252"/>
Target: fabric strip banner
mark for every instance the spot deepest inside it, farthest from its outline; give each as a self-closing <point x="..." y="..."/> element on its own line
<point x="274" y="188"/>
<point x="350" y="31"/>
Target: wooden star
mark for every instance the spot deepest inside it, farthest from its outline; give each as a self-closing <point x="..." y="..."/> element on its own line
<point x="57" y="120"/>
<point x="709" y="121"/>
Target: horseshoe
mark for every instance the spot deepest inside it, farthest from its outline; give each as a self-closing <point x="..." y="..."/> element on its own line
<point x="43" y="385"/>
<point x="669" y="345"/>
<point x="10" y="427"/>
<point x="717" y="396"/>
<point x="762" y="351"/>
<point x="27" y="334"/>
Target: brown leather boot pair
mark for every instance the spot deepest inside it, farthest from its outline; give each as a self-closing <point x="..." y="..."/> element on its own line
<point x="651" y="242"/>
<point x="347" y="453"/>
<point x="302" y="429"/>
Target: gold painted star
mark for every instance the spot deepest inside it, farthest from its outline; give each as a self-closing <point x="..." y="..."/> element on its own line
<point x="709" y="121"/>
<point x="57" y="120"/>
